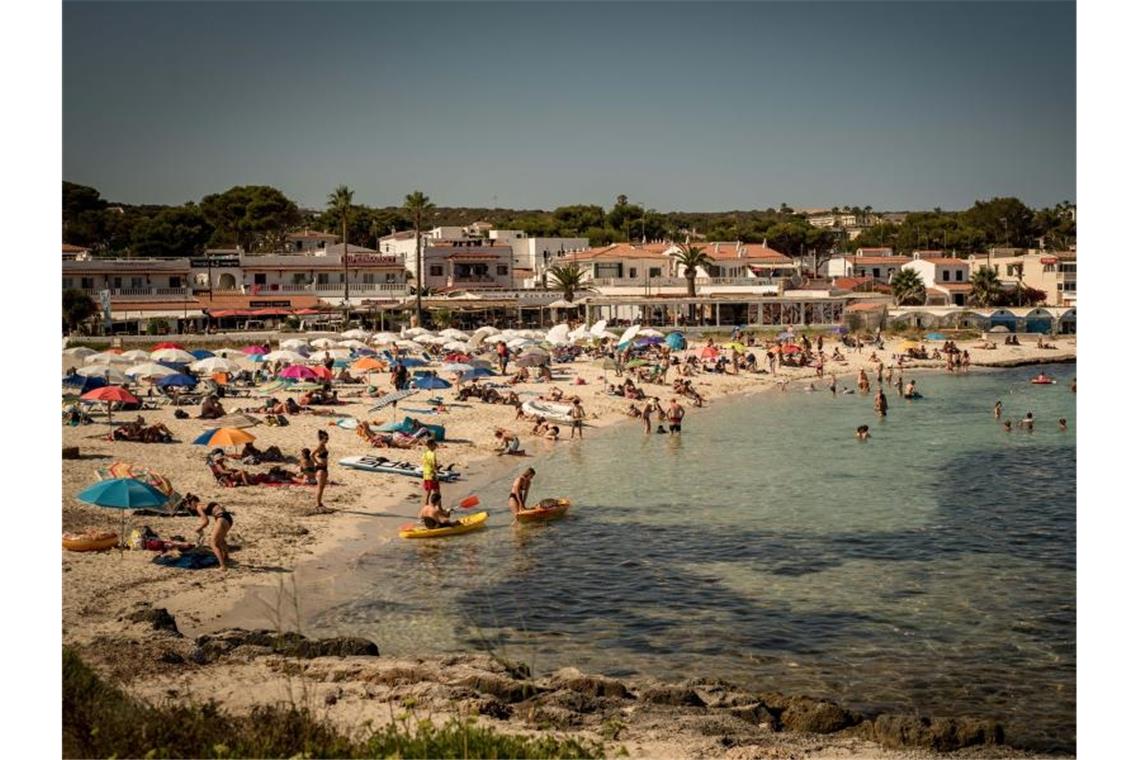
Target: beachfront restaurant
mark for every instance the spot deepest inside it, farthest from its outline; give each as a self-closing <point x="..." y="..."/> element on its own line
<point x="718" y="311"/>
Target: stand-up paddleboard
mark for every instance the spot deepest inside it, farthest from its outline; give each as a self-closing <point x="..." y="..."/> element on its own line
<point x="547" y="509"/>
<point x="547" y="410"/>
<point x="382" y="464"/>
<point x="1043" y="381"/>
<point x="466" y="525"/>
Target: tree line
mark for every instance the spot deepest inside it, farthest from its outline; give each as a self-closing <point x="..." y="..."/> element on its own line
<point x="257" y="218"/>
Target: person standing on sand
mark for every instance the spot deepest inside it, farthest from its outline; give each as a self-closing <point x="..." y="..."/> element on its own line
<point x="675" y="414"/>
<point x="516" y="502"/>
<point x="321" y="462"/>
<point x="223" y="521"/>
<point x="504" y="356"/>
<point x="577" y="414"/>
<point x="430" y="467"/>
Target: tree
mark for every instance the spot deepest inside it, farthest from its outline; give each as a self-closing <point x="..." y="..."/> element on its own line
<point x="181" y="231"/>
<point x="416" y="204"/>
<point x="252" y="217"/>
<point x="908" y="288"/>
<point x="568" y="278"/>
<point x="690" y="257"/>
<point x="578" y="219"/>
<point x="985" y="287"/>
<point x="78" y="307"/>
<point x="1003" y="220"/>
<point x="340" y="203"/>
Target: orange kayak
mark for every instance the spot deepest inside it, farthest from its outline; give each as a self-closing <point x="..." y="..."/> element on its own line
<point x="547" y="509"/>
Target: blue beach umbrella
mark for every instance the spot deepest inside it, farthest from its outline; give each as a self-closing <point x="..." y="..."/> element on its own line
<point x="412" y="362"/>
<point x="675" y="341"/>
<point x="124" y="494"/>
<point x="176" y="366"/>
<point x="430" y="382"/>
<point x="338" y="363"/>
<point x="359" y="352"/>
<point x="841" y="330"/>
<point x="201" y="353"/>
<point x="935" y="336"/>
<point x="785" y="335"/>
<point x="204" y="438"/>
<point x="177" y="381"/>
<point x="82" y="383"/>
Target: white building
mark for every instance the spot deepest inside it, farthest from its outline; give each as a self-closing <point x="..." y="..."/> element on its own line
<point x="533" y="256"/>
<point x="946" y="279"/>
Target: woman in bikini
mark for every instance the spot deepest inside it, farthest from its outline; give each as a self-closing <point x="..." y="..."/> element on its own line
<point x="308" y="467"/>
<point x="321" y="462"/>
<point x="223" y="521"/>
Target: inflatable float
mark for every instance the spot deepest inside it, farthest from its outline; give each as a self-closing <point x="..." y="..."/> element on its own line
<point x="466" y="525"/>
<point x="392" y="467"/>
<point x="548" y="410"/>
<point x="91" y="541"/>
<point x="547" y="509"/>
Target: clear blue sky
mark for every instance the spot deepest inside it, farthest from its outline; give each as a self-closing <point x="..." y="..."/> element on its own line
<point x="679" y="106"/>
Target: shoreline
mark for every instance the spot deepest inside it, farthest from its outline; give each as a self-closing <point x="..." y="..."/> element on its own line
<point x="311" y="547"/>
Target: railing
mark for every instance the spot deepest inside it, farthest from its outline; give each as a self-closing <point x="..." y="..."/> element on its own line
<point x="327" y="288"/>
<point x="141" y="292"/>
<point x="681" y="282"/>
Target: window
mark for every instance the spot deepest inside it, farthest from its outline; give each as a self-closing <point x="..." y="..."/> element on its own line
<point x="323" y="278"/>
<point x="116" y="282"/>
<point x="875" y="273"/>
<point x="632" y="272"/>
<point x="66" y="283"/>
<point x="945" y="275"/>
<point x="369" y="278"/>
<point x="389" y="277"/>
<point x="87" y="283"/>
<point x="300" y="278"/>
<point x="1049" y="267"/>
<point x="958" y="275"/>
<point x="607" y="270"/>
<point x="436" y="270"/>
<point x="502" y="270"/>
<point x="259" y="278"/>
<point x="137" y="282"/>
<point x="654" y="271"/>
<point x="174" y="282"/>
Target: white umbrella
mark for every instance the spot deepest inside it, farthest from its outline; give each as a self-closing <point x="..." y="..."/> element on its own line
<point x="408" y="344"/>
<point x="356" y="334"/>
<point x="456" y="367"/>
<point x="518" y="342"/>
<point x="558" y="334"/>
<point x="336" y="353"/>
<point x="136" y="355"/>
<point x="106" y="357"/>
<point x="230" y="353"/>
<point x="578" y="333"/>
<point x="451" y="332"/>
<point x="598" y="328"/>
<point x="455" y="345"/>
<point x="629" y="334"/>
<point x="212" y="364"/>
<point x="608" y="334"/>
<point x="292" y="344"/>
<point x="287" y="356"/>
<point x="650" y="333"/>
<point x="383" y="338"/>
<point x="412" y="332"/>
<point x="105" y="371"/>
<point x="322" y="343"/>
<point x="149" y="369"/>
<point x="425" y="337"/>
<point x="492" y="339"/>
<point x="481" y="334"/>
<point x="176" y="355"/>
<point x="352" y="343"/>
<point x="79" y="352"/>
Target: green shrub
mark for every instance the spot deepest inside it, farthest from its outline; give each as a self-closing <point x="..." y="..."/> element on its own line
<point x="100" y="720"/>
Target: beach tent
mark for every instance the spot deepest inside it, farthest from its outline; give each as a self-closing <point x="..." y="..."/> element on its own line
<point x="675" y="341"/>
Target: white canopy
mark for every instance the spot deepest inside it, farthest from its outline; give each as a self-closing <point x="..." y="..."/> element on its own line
<point x="598" y="328"/>
<point x="149" y="369"/>
<point x="281" y="355"/>
<point x="356" y="334"/>
<point x="558" y="334"/>
<point x="213" y="364"/>
<point x="176" y="355"/>
<point x="629" y="334"/>
<point x="79" y="352"/>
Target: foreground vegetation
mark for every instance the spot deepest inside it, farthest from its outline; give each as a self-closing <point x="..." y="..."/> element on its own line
<point x="100" y="720"/>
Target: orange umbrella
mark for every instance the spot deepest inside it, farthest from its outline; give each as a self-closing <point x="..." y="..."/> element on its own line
<point x="110" y="394"/>
<point x="322" y="372"/>
<point x="709" y="352"/>
<point x="221" y="378"/>
<point x="368" y="364"/>
<point x="230" y="437"/>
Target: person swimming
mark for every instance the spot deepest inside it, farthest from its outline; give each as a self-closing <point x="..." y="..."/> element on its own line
<point x="1063" y="425"/>
<point x="862" y="432"/>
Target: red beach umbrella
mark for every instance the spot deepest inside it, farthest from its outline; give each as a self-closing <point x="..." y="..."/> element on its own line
<point x="110" y="394"/>
<point x="322" y="372"/>
<point x="709" y="352"/>
<point x="790" y="348"/>
<point x="168" y="344"/>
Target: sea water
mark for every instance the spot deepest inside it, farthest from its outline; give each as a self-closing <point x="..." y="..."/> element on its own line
<point x="929" y="570"/>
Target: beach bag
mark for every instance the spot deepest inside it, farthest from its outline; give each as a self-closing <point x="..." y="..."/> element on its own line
<point x="181" y="415"/>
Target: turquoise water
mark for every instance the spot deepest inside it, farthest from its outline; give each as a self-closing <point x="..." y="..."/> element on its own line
<point x="930" y="569"/>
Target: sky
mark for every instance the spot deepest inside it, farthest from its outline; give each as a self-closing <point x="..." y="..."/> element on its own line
<point x="679" y="106"/>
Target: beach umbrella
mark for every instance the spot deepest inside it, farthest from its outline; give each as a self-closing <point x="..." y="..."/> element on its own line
<point x="177" y="381"/>
<point x="110" y="394"/>
<point x="790" y="348"/>
<point x="368" y="364"/>
<point x="172" y="355"/>
<point x="480" y="363"/>
<point x="383" y="338"/>
<point x="476" y="372"/>
<point x="214" y="364"/>
<point x="629" y="334"/>
<point x="430" y="382"/>
<point x="737" y="346"/>
<point x="104" y="372"/>
<point x="149" y="370"/>
<point x="366" y="351"/>
<point x="495" y="338"/>
<point x="598" y="328"/>
<point x="650" y="341"/>
<point x="841" y="330"/>
<point x="253" y="350"/>
<point x="322" y="372"/>
<point x="710" y="352"/>
<point x="408" y="344"/>
<point x="226" y="436"/>
<point x="412" y="332"/>
<point x="292" y="344"/>
<point x="455" y="345"/>
<point x="558" y="334"/>
<point x="451" y="332"/>
<point x="935" y="336"/>
<point x="355" y="334"/>
<point x="519" y="342"/>
<point x="284" y="356"/>
<point x="411" y="361"/>
<point x="168" y="344"/>
<point x="298" y="372"/>
<point x="231" y="353"/>
<point x="675" y="341"/>
<point x="136" y="355"/>
<point x="106" y="357"/>
<point x="425" y="337"/>
<point x="785" y="335"/>
<point x="83" y="383"/>
<point x="352" y="343"/>
<point x="393" y="397"/>
<point x="649" y="332"/>
<point x="124" y="494"/>
<point x="456" y="367"/>
<point x="608" y="334"/>
<point x="79" y="352"/>
<point x="636" y="363"/>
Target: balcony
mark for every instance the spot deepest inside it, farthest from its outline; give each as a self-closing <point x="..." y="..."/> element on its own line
<point x="681" y="282"/>
<point x="144" y="292"/>
<point x="329" y="288"/>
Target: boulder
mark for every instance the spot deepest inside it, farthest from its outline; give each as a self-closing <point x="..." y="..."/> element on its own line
<point x="939" y="734"/>
<point x="678" y="696"/>
<point x="815" y="716"/>
<point x="592" y="686"/>
<point x="755" y="713"/>
<point x="497" y="686"/>
<point x="157" y="618"/>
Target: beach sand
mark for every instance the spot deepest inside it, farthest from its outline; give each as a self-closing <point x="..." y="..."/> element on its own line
<point x="278" y="527"/>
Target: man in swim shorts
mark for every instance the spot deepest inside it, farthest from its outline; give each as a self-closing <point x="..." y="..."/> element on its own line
<point x="430" y="467"/>
<point x="433" y="514"/>
<point x="577" y="414"/>
<point x="516" y="502"/>
<point x="675" y="414"/>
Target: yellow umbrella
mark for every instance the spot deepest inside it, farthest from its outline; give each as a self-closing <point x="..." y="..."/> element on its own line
<point x="907" y="345"/>
<point x="230" y="437"/>
<point x="738" y="346"/>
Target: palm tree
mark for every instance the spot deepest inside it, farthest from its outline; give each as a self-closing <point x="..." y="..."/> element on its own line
<point x="340" y="203"/>
<point x="985" y="287"/>
<point x="568" y="278"/>
<point x="690" y="257"/>
<point x="416" y="204"/>
<point x="908" y="288"/>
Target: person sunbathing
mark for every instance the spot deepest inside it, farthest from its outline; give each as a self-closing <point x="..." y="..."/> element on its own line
<point x="211" y="408"/>
<point x="250" y="454"/>
<point x="229" y="476"/>
<point x="292" y="407"/>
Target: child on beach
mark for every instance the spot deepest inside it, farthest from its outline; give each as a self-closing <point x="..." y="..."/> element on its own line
<point x="430" y="467"/>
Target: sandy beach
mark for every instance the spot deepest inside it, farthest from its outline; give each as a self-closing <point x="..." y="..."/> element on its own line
<point x="278" y="529"/>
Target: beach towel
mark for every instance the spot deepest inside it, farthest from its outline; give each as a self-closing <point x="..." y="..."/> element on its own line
<point x="187" y="561"/>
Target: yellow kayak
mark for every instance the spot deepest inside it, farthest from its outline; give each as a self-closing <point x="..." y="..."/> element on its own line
<point x="466" y="525"/>
<point x="547" y="509"/>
